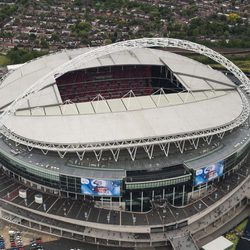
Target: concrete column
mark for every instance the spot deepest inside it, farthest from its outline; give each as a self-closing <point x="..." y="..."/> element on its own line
<point x="131" y="201"/>
<point x="173" y="195"/>
<point x="120" y="217"/>
<point x="142" y="201"/>
<point x="183" y="195"/>
<point x="192" y="194"/>
<point x="120" y="201"/>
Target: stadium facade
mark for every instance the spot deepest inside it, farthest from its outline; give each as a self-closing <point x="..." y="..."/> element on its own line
<point x="124" y="128"/>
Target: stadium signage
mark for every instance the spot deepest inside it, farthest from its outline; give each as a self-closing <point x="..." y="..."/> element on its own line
<point x="206" y="174"/>
<point x="98" y="187"/>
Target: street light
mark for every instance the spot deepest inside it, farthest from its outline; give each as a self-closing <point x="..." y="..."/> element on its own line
<point x="86" y="215"/>
<point x="108" y="218"/>
<point x="215" y="195"/>
<point x="134" y="219"/>
<point x="177" y="214"/>
<point x="163" y="218"/>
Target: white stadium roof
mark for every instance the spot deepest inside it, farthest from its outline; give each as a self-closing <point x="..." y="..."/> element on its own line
<point x="23" y="77"/>
<point x="211" y="101"/>
<point x="193" y="75"/>
<point x="134" y="124"/>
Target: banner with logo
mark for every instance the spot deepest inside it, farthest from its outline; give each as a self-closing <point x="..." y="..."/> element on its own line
<point x="209" y="173"/>
<point x="99" y="187"/>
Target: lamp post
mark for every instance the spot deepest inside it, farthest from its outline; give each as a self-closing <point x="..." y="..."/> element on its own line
<point x="134" y="220"/>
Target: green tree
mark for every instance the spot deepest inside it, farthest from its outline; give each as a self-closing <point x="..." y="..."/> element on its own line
<point x="17" y="55"/>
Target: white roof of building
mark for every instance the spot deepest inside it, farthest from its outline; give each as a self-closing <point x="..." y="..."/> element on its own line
<point x="212" y="101"/>
<point x="106" y="126"/>
<point x="220" y="243"/>
<point x="22" y="77"/>
<point x="14" y="66"/>
<point x="193" y="75"/>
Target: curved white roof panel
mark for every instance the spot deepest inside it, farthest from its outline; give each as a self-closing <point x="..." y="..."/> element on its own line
<point x="211" y="101"/>
<point x="193" y="75"/>
<point x="24" y="76"/>
<point x="128" y="125"/>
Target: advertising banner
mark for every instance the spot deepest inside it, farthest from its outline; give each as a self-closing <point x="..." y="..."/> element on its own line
<point x="97" y="187"/>
<point x="209" y="173"/>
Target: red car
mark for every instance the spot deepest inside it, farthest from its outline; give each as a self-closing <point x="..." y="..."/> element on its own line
<point x="13" y="244"/>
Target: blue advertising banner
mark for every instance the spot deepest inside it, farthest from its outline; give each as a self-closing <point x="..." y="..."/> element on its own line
<point x="208" y="173"/>
<point x="97" y="187"/>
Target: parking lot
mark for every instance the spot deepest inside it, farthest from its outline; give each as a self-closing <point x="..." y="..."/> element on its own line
<point x="48" y="242"/>
<point x="16" y="238"/>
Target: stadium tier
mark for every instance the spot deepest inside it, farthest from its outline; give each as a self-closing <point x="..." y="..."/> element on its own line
<point x="95" y="139"/>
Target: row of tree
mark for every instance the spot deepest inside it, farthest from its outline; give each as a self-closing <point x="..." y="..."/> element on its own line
<point x="18" y="55"/>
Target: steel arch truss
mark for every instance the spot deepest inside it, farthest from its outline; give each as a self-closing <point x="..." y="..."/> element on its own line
<point x="147" y="143"/>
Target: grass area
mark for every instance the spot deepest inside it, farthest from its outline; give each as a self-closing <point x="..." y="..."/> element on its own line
<point x="243" y="65"/>
<point x="4" y="60"/>
<point x="242" y="61"/>
<point x="235" y="234"/>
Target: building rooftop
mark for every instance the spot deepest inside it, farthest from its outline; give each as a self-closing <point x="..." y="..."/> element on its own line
<point x="220" y="243"/>
<point x="130" y="125"/>
<point x="210" y="100"/>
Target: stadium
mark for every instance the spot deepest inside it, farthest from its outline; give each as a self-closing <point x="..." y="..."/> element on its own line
<point x="125" y="145"/>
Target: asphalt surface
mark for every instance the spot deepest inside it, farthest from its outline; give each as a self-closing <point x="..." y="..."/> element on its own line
<point x="65" y="244"/>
